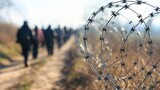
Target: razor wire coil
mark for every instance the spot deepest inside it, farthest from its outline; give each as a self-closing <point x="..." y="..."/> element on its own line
<point x="134" y="59"/>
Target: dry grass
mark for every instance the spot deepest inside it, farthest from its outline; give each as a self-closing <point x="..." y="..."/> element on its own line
<point x="8" y="47"/>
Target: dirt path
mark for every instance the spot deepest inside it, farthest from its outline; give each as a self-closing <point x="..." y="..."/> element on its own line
<point x="19" y="64"/>
<point x="42" y="76"/>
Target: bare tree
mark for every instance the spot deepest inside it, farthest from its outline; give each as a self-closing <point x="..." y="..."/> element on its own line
<point x="5" y="6"/>
<point x="5" y="3"/>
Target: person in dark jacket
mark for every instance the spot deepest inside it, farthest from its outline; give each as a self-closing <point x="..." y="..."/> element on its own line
<point x="58" y="36"/>
<point x="24" y="38"/>
<point x="49" y="37"/>
<point x="43" y="41"/>
<point x="65" y="34"/>
<point x="35" y="42"/>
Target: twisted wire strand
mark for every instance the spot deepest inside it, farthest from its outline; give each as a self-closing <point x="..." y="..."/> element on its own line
<point x="125" y="45"/>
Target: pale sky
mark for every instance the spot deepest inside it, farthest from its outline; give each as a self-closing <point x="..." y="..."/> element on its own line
<point x="72" y="13"/>
<point x="54" y="12"/>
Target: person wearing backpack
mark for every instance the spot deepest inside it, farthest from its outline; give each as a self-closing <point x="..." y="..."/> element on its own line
<point x="24" y="38"/>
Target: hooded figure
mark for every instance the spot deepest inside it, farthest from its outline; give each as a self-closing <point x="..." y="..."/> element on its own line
<point x="58" y="36"/>
<point x="24" y="38"/>
<point x="49" y="36"/>
<point x="35" y="43"/>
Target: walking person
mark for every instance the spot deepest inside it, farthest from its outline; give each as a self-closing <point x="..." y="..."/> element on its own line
<point x="35" y="43"/>
<point x="65" y="34"/>
<point x="58" y="36"/>
<point x="24" y="38"/>
<point x="49" y="37"/>
<point x="43" y="41"/>
<point x="40" y="37"/>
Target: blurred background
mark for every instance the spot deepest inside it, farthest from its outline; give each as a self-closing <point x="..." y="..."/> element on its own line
<point x="44" y="72"/>
<point x="64" y="68"/>
<point x="71" y="12"/>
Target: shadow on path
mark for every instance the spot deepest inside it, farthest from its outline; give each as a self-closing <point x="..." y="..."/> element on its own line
<point x="5" y="56"/>
<point x="14" y="66"/>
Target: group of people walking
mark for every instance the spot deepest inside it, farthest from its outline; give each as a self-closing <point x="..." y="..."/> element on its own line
<point x="32" y="39"/>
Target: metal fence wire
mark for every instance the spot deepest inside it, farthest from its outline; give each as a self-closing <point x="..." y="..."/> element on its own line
<point x="121" y="44"/>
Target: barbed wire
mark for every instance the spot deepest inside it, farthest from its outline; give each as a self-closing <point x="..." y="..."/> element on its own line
<point x="122" y="58"/>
